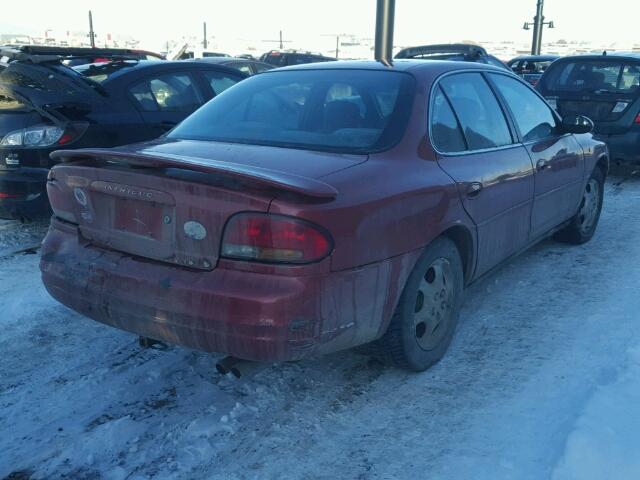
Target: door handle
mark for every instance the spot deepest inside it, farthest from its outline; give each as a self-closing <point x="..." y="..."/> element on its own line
<point x="474" y="189"/>
<point x="542" y="165"/>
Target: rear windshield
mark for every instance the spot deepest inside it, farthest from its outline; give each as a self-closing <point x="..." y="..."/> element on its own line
<point x="594" y="76"/>
<point x="348" y="111"/>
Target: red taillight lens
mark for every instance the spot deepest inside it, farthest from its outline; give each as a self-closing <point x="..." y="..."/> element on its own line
<point x="274" y="238"/>
<point x="9" y="195"/>
<point x="65" y="138"/>
<point x="637" y="119"/>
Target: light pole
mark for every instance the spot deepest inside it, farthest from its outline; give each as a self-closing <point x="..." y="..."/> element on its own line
<point x="92" y="35"/>
<point x="538" y="25"/>
<point x="385" y="13"/>
<point x="204" y="41"/>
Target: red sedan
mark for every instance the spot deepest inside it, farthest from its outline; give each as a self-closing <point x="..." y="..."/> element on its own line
<point x="321" y="207"/>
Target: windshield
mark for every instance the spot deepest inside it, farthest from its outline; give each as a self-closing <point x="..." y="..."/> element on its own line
<point x="348" y="111"/>
<point x="594" y="76"/>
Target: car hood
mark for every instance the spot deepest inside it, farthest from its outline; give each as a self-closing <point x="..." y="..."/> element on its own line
<point x="48" y="89"/>
<point x="305" y="163"/>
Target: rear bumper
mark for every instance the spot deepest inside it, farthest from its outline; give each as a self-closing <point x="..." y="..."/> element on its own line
<point x="23" y="193"/>
<point x="255" y="316"/>
<point x="624" y="149"/>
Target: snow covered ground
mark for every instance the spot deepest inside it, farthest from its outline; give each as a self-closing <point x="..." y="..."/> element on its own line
<point x="542" y="381"/>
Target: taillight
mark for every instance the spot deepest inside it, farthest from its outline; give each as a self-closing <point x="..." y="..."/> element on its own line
<point x="269" y="238"/>
<point x="637" y="119"/>
<point x="9" y="195"/>
<point x="44" y="135"/>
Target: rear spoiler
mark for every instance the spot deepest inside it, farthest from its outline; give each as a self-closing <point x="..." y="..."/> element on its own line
<point x="461" y="48"/>
<point x="46" y="53"/>
<point x="281" y="180"/>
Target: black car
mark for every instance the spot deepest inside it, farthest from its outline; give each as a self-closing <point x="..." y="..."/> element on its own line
<point x="454" y="52"/>
<point x="249" y="67"/>
<point x="279" y="58"/>
<point x="46" y="105"/>
<point x="531" y="67"/>
<point x="605" y="88"/>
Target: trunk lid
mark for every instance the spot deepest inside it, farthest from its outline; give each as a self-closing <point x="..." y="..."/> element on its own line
<point x="48" y="89"/>
<point x="152" y="202"/>
<point x="597" y="107"/>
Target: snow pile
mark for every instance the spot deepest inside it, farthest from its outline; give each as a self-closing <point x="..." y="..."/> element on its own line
<point x="15" y="235"/>
<point x="542" y="381"/>
<point x="604" y="443"/>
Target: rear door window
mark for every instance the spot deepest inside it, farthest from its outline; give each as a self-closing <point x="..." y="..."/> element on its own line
<point x="219" y="81"/>
<point x="445" y="130"/>
<point x="174" y="92"/>
<point x="532" y="115"/>
<point x="482" y="120"/>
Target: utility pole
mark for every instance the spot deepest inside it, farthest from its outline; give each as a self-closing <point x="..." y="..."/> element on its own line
<point x="281" y="45"/>
<point x="385" y="14"/>
<point x="538" y="25"/>
<point x="204" y="41"/>
<point x="92" y="35"/>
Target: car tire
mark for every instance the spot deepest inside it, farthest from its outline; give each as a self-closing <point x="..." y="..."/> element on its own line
<point x="584" y="223"/>
<point x="427" y="313"/>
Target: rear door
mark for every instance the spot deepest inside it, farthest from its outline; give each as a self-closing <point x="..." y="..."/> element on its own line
<point x="557" y="157"/>
<point x="165" y="99"/>
<point x="494" y="174"/>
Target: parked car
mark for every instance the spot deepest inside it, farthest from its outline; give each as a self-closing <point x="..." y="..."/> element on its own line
<point x="531" y="67"/>
<point x="45" y="105"/>
<point x="606" y="88"/>
<point x="246" y="66"/>
<point x="279" y="58"/>
<point x="316" y="208"/>
<point x="72" y="56"/>
<point x="453" y="52"/>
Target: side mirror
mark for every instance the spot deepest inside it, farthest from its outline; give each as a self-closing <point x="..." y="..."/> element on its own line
<point x="577" y="124"/>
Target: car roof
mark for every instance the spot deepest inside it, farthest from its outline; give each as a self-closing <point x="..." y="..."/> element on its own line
<point x="151" y="66"/>
<point x="223" y="60"/>
<point x="401" y="65"/>
<point x="445" y="48"/>
<point x="424" y="71"/>
<point x="616" y="55"/>
<point x="535" y="57"/>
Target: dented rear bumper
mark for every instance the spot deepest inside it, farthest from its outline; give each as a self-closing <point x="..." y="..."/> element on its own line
<point x="252" y="315"/>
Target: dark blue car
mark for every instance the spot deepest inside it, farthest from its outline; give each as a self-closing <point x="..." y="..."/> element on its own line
<point x="46" y="105"/>
<point x="605" y="88"/>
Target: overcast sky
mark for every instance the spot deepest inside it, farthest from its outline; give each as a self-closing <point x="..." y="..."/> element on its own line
<point x="417" y="21"/>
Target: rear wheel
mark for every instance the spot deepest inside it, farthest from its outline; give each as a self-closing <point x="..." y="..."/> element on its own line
<point x="426" y="316"/>
<point x="583" y="225"/>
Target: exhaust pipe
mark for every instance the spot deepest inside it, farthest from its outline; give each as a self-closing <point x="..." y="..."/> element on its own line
<point x="239" y="367"/>
<point x="385" y="14"/>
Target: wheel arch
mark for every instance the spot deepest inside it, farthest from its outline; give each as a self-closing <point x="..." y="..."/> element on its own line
<point x="463" y="239"/>
<point x="603" y="164"/>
